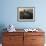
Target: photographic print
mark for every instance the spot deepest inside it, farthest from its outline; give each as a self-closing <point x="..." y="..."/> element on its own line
<point x="26" y="14"/>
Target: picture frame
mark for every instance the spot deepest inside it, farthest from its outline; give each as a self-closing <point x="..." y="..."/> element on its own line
<point x="26" y="14"/>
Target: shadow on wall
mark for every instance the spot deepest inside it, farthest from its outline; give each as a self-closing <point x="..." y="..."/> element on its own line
<point x="2" y="26"/>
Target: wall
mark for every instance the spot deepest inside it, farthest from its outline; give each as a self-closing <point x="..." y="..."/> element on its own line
<point x="9" y="13"/>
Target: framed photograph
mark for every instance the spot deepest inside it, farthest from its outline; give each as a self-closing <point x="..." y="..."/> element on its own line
<point x="26" y="14"/>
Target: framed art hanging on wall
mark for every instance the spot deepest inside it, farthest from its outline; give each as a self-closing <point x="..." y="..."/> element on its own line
<point x="26" y="14"/>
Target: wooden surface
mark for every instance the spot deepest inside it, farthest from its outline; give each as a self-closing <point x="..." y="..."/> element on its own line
<point x="22" y="38"/>
<point x="34" y="39"/>
<point x="13" y="39"/>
